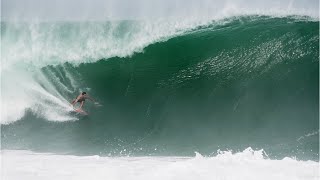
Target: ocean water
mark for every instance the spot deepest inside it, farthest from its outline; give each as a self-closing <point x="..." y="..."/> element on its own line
<point x="242" y="92"/>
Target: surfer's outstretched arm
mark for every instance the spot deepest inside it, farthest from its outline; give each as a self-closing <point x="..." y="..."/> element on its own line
<point x="88" y="97"/>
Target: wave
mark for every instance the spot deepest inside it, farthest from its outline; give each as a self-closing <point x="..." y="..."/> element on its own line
<point x="170" y="86"/>
<point x="28" y="47"/>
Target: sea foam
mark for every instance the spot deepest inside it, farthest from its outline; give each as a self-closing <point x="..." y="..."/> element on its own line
<point x="245" y="165"/>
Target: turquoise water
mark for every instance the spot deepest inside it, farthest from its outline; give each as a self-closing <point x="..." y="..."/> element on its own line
<point x="249" y="81"/>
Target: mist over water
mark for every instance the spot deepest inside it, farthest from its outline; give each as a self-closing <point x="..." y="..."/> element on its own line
<point x="83" y="10"/>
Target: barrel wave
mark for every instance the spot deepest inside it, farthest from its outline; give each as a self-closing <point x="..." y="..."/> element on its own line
<point x="241" y="82"/>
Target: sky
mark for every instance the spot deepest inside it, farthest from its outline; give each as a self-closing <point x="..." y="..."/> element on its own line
<point x="139" y="9"/>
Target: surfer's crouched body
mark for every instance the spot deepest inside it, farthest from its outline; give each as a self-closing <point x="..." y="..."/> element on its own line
<point x="81" y="99"/>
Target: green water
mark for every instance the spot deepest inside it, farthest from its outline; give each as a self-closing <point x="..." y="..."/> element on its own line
<point x="248" y="82"/>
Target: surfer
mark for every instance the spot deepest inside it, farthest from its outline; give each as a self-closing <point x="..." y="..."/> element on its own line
<point x="81" y="99"/>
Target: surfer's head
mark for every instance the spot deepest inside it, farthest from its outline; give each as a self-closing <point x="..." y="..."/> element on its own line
<point x="83" y="93"/>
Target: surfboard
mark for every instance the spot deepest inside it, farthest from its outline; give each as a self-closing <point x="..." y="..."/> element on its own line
<point x="80" y="111"/>
<point x="77" y="110"/>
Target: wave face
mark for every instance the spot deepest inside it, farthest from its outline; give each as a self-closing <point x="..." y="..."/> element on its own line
<point x="230" y="84"/>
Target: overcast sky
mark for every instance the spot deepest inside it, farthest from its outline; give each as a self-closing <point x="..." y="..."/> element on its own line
<point x="133" y="9"/>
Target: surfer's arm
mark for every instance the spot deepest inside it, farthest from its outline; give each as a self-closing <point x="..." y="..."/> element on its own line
<point x="88" y="97"/>
<point x="74" y="101"/>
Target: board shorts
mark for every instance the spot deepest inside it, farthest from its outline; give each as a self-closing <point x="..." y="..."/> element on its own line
<point x="80" y="100"/>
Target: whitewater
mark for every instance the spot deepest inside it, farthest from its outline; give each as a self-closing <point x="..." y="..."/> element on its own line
<point x="245" y="165"/>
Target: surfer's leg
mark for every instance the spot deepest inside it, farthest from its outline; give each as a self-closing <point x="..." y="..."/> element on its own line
<point x="82" y="102"/>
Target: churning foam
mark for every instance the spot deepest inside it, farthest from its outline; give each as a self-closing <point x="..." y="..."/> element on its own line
<point x="22" y="90"/>
<point x="245" y="165"/>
